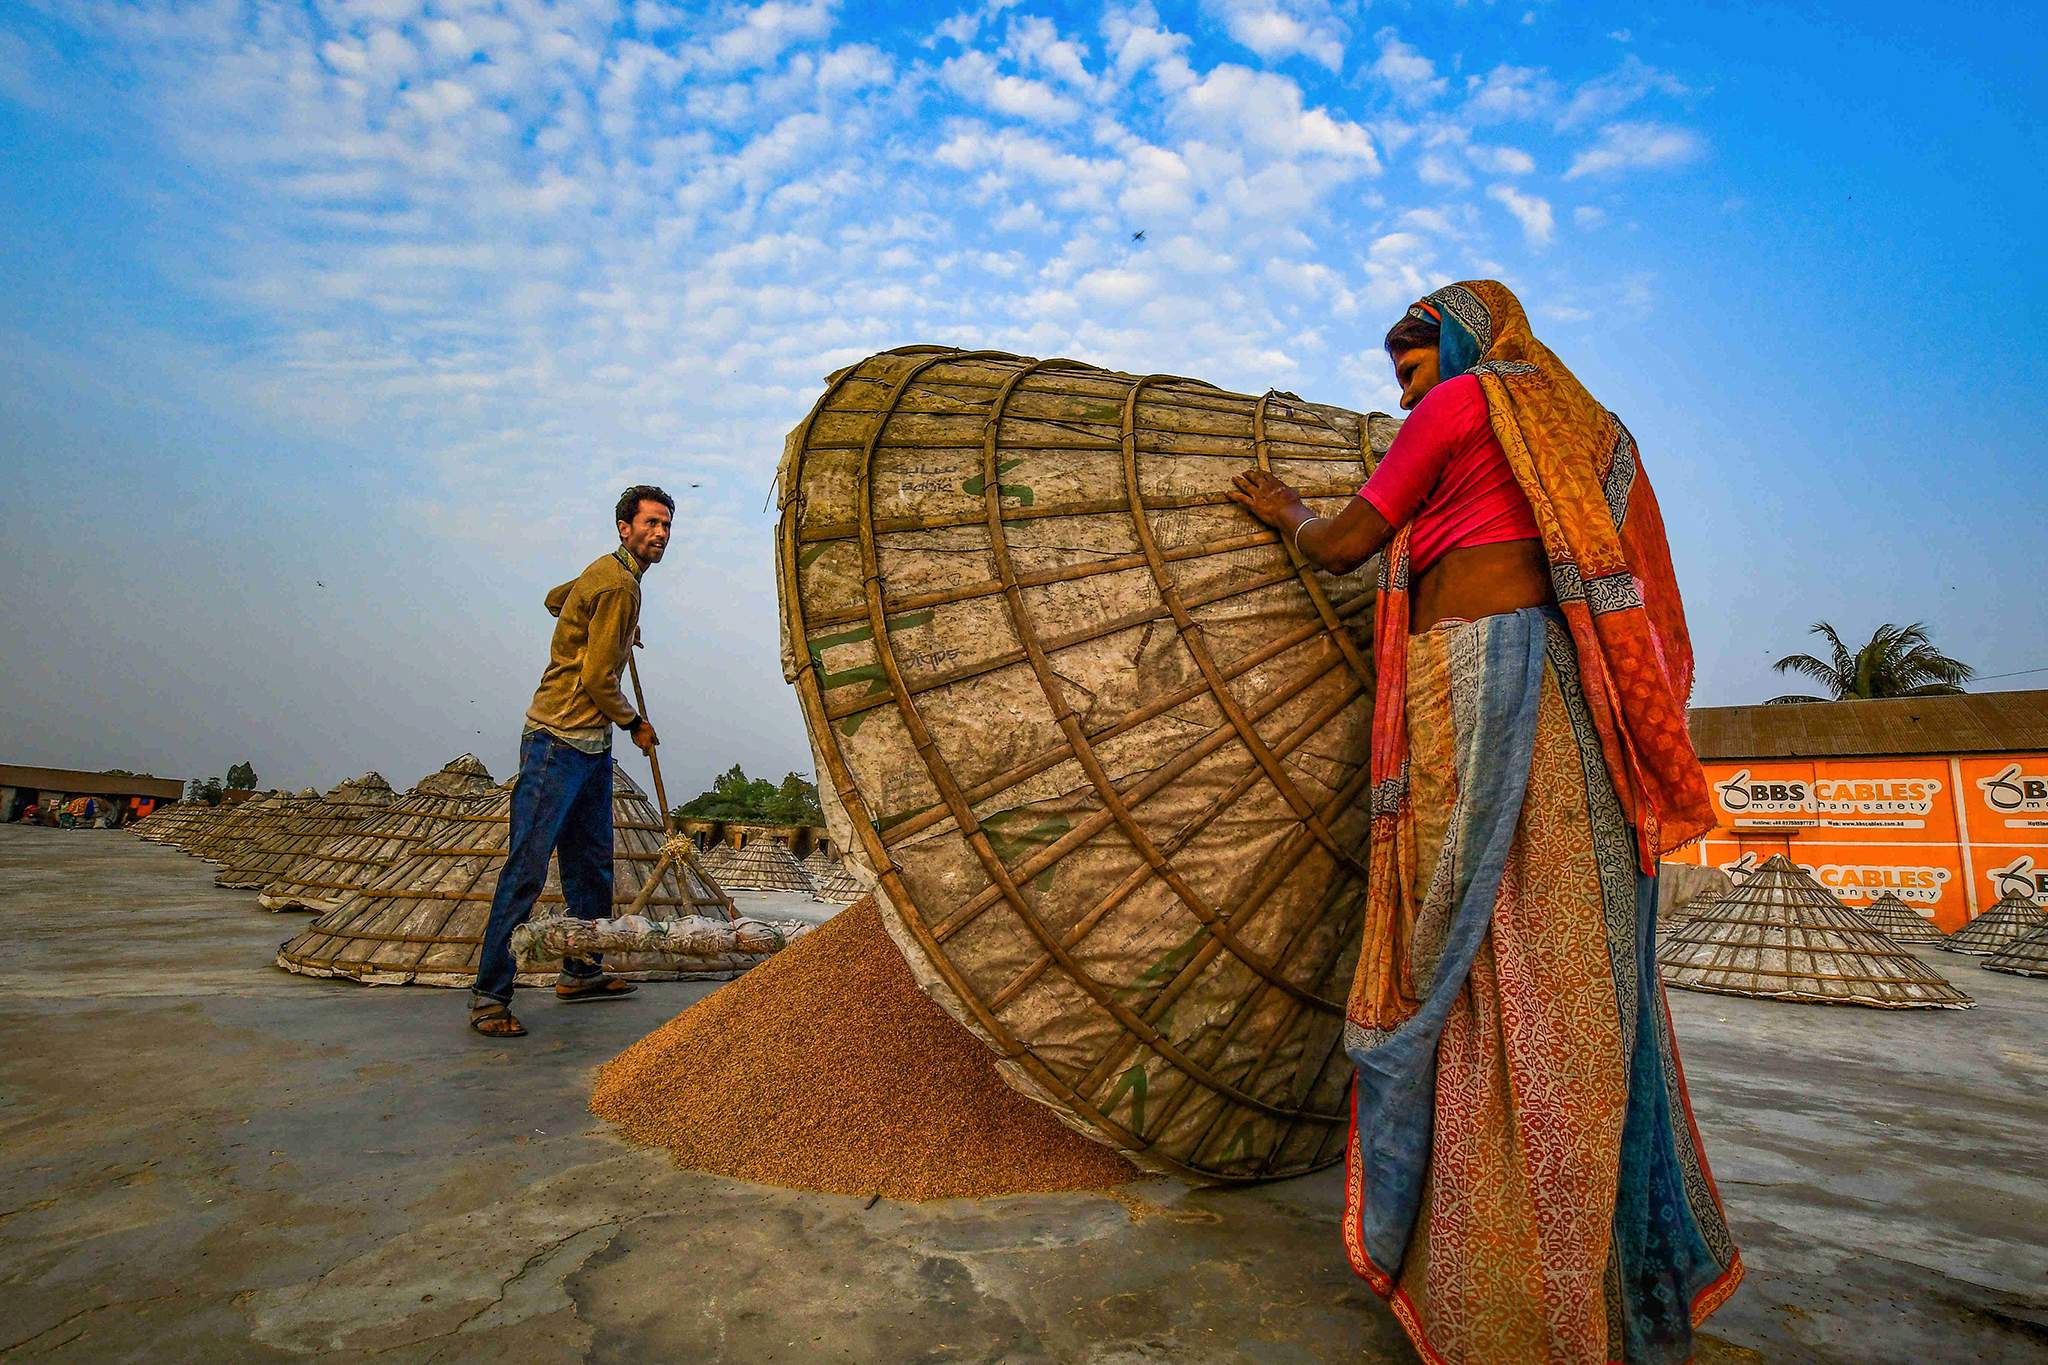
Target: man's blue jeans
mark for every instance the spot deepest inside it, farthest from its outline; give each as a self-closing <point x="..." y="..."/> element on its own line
<point x="561" y="805"/>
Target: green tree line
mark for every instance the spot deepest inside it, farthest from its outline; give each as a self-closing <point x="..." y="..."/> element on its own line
<point x="755" y="800"/>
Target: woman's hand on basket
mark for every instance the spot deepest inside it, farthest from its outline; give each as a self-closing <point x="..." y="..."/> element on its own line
<point x="1268" y="499"/>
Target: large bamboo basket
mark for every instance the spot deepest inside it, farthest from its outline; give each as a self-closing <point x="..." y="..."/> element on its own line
<point x="324" y="878"/>
<point x="2013" y="918"/>
<point x="1781" y="935"/>
<point x="422" y="921"/>
<point x="343" y="811"/>
<point x="1900" y="922"/>
<point x="1102" y="740"/>
<point x="2023" y="957"/>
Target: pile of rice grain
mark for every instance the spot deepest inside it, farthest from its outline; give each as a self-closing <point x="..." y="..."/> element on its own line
<point x="826" y="1068"/>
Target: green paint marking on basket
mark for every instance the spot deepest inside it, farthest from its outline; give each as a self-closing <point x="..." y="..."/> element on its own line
<point x="1133" y="1082"/>
<point x="1240" y="1143"/>
<point x="1020" y="491"/>
<point x="872" y="674"/>
<point x="810" y="553"/>
<point x="889" y="822"/>
<point x="1010" y="841"/>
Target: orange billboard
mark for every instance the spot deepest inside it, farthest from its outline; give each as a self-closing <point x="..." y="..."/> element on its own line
<point x="1948" y="836"/>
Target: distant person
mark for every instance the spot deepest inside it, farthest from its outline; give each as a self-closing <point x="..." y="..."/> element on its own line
<point x="29" y="816"/>
<point x="562" y="801"/>
<point x="1525" y="1179"/>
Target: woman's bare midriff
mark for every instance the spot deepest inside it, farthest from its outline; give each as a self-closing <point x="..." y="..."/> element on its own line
<point x="1481" y="580"/>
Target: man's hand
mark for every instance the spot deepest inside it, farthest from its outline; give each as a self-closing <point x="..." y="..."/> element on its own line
<point x="643" y="736"/>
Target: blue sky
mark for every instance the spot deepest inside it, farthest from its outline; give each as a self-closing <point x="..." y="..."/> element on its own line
<point x="334" y="329"/>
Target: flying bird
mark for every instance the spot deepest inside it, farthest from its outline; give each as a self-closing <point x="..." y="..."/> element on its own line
<point x="1138" y="236"/>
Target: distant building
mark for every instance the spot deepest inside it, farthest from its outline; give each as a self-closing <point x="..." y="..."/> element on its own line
<point x="1941" y="800"/>
<point x="798" y="839"/>
<point x="48" y="788"/>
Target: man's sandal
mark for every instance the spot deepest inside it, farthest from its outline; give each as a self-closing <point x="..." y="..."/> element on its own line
<point x="496" y="1021"/>
<point x="597" y="988"/>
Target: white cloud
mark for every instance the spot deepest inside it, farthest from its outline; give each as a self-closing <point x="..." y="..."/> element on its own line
<point x="1509" y="93"/>
<point x="1136" y="42"/>
<point x="1586" y="216"/>
<point x="765" y="31"/>
<point x="1265" y="111"/>
<point x="1410" y="75"/>
<point x="1284" y="28"/>
<point x="1605" y="96"/>
<point x="1637" y="146"/>
<point x="1531" y="211"/>
<point x="1501" y="160"/>
<point x="974" y="76"/>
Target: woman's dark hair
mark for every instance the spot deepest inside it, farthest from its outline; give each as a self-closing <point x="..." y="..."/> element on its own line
<point x="1412" y="332"/>
<point x="630" y="500"/>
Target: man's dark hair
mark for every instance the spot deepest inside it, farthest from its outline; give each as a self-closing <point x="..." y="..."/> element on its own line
<point x="630" y="500"/>
<point x="1411" y="332"/>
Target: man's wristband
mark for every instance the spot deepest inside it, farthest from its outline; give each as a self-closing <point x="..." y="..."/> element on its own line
<point x="630" y="726"/>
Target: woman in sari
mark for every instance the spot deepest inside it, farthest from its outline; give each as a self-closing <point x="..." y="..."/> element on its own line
<point x="1524" y="1179"/>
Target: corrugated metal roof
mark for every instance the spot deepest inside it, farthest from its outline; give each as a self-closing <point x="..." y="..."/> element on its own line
<point x="1972" y="723"/>
<point x="75" y="783"/>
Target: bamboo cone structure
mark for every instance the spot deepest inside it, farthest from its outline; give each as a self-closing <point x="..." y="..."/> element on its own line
<point x="241" y="824"/>
<point x="819" y="863"/>
<point x="421" y="922"/>
<point x="321" y="879"/>
<point x="1101" y="737"/>
<point x="342" y="812"/>
<point x="173" y="824"/>
<point x="194" y="827"/>
<point x="837" y="888"/>
<point x="1899" y="922"/>
<point x="1781" y="935"/>
<point x="717" y="859"/>
<point x="2023" y="957"/>
<point x="763" y="865"/>
<point x="1678" y="916"/>
<point x="2004" y="924"/>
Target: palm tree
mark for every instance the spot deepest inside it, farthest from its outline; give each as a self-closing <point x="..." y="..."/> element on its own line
<point x="1899" y="661"/>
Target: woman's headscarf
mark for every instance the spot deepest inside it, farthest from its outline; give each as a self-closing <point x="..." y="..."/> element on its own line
<point x="1609" y="563"/>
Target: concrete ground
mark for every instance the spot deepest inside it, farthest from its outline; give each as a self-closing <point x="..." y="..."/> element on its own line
<point x="204" y="1158"/>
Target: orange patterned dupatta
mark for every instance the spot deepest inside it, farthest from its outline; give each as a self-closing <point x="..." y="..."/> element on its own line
<point x="1609" y="561"/>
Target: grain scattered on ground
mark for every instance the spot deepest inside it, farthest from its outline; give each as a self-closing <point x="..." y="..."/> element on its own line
<point x="826" y="1068"/>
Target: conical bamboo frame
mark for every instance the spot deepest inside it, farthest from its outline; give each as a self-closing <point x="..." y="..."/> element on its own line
<point x="192" y="828"/>
<point x="1899" y="922"/>
<point x="837" y="888"/>
<point x="1781" y="935"/>
<point x="2023" y="957"/>
<point x="422" y="921"/>
<point x="763" y="865"/>
<point x="168" y="824"/>
<point x="1099" y="735"/>
<point x="343" y="811"/>
<point x="323" y="879"/>
<point x="245" y="822"/>
<point x="2013" y="918"/>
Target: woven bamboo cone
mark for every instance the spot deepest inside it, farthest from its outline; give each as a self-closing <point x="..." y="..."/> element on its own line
<point x="763" y="865"/>
<point x="422" y="921"/>
<point x="1781" y="935"/>
<point x="171" y="824"/>
<point x="1899" y="922"/>
<point x="250" y="820"/>
<point x="2004" y="924"/>
<point x="1099" y="736"/>
<point x="346" y="809"/>
<point x="325" y="877"/>
<point x="2024" y="957"/>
